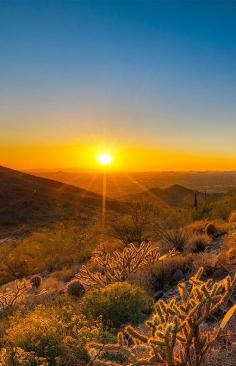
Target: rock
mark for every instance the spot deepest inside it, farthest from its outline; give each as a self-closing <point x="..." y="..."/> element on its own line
<point x="178" y="276"/>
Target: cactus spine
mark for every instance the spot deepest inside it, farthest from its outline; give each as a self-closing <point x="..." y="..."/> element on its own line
<point x="117" y="267"/>
<point x="176" y="334"/>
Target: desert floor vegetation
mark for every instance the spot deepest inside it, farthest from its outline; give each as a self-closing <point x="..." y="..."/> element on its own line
<point x="68" y="298"/>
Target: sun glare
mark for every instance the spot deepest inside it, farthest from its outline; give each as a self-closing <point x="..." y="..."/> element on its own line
<point x="104" y="159"/>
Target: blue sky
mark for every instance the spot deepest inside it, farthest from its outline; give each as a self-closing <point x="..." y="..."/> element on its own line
<point x="150" y="73"/>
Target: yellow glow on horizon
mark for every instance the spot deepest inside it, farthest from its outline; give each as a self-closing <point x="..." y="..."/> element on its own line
<point x="123" y="158"/>
<point x="104" y="159"/>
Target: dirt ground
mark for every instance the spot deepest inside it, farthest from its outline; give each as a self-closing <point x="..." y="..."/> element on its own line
<point x="221" y="353"/>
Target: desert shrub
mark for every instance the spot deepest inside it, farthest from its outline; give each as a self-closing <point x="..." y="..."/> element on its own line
<point x="117" y="304"/>
<point x="75" y="288"/>
<point x="223" y="207"/>
<point x="14" y="294"/>
<point x="134" y="226"/>
<point x="176" y="334"/>
<point x="38" y="332"/>
<point x="118" y="266"/>
<point x="174" y="238"/>
<point x="196" y="227"/>
<point x="158" y="276"/>
<point x="36" y="281"/>
<point x="66" y="274"/>
<point x="208" y="261"/>
<point x="197" y="243"/>
<point x="47" y="250"/>
<point x="227" y="257"/>
<point x="52" y="332"/>
<point x="17" y="357"/>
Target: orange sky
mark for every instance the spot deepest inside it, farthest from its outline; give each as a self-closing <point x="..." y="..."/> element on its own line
<point x="136" y="158"/>
<point x="157" y="78"/>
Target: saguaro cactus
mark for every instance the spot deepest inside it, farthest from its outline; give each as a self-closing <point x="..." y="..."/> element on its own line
<point x="176" y="334"/>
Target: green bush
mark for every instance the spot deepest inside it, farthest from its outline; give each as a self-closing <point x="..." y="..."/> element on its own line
<point x="117" y="304"/>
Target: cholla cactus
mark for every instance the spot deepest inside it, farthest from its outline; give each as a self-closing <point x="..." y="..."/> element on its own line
<point x="176" y="334"/>
<point x="118" y="265"/>
<point x="15" y="294"/>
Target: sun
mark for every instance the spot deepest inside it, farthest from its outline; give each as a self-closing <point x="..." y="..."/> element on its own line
<point x="104" y="159"/>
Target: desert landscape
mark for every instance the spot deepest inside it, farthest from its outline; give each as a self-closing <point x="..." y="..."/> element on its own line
<point x="117" y="183"/>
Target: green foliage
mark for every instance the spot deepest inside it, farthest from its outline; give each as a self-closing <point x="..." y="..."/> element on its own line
<point x="51" y="334"/>
<point x="117" y="304"/>
<point x="75" y="288"/>
<point x="175" y="336"/>
<point x="118" y="266"/>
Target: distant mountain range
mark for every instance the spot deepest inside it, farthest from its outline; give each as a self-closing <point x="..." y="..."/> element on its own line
<point x="28" y="202"/>
<point x="175" y="195"/>
<point x="123" y="183"/>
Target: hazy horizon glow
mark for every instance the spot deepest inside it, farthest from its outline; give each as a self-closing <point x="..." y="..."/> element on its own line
<point x="154" y="82"/>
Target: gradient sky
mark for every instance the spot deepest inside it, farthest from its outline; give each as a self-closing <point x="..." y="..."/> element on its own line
<point x="152" y="81"/>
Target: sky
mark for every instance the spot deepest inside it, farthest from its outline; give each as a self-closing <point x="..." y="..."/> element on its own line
<point x="151" y="82"/>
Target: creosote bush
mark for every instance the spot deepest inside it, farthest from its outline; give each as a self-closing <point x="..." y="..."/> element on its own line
<point x="46" y="335"/>
<point x="75" y="288"/>
<point x="117" y="304"/>
<point x="176" y="336"/>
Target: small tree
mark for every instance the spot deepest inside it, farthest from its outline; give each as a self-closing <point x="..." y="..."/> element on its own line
<point x="134" y="226"/>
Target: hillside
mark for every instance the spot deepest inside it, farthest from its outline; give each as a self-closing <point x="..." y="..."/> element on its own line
<point x="120" y="183"/>
<point x="27" y="201"/>
<point x="175" y="195"/>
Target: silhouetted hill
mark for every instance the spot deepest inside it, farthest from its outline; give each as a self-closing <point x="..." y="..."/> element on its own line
<point x="175" y="195"/>
<point x="26" y="200"/>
